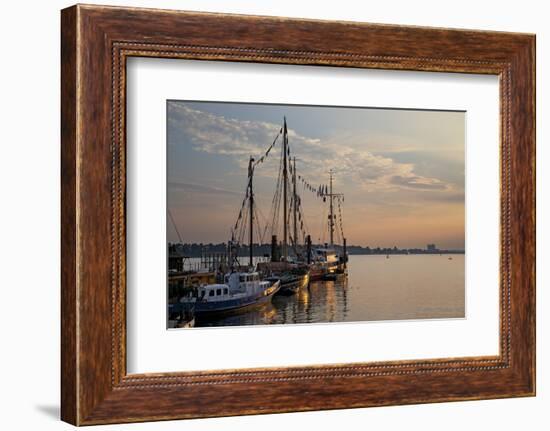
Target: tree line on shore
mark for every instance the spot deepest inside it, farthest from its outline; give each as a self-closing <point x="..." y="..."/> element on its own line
<point x="198" y="249"/>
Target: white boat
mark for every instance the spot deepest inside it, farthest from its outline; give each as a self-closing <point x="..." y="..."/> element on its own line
<point x="239" y="290"/>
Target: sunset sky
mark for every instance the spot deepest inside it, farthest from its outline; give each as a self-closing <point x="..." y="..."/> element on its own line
<point x="402" y="171"/>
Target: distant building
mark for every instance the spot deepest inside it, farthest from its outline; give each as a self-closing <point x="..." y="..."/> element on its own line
<point x="431" y="247"/>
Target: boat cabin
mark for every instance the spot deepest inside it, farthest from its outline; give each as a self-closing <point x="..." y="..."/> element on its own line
<point x="215" y="290"/>
<point x="234" y="283"/>
<point x="327" y="255"/>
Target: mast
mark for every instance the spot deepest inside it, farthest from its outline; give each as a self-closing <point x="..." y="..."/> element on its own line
<point x="331" y="223"/>
<point x="285" y="180"/>
<point x="251" y="205"/>
<point x="295" y="206"/>
<point x="331" y="195"/>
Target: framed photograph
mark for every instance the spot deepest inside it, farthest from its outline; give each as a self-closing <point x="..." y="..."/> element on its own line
<point x="322" y="214"/>
<point x="233" y="270"/>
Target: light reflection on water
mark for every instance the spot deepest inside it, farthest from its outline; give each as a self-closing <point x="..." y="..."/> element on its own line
<point x="377" y="288"/>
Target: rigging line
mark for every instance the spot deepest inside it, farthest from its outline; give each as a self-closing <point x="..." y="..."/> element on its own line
<point x="259" y="221"/>
<point x="304" y="218"/>
<point x="242" y="228"/>
<point x="264" y="221"/>
<point x="338" y="238"/>
<point x="300" y="219"/>
<point x="317" y="191"/>
<point x="323" y="232"/>
<point x="243" y="204"/>
<point x="258" y="224"/>
<point x="288" y="215"/>
<point x="266" y="228"/>
<point x="341" y="222"/>
<point x="277" y="197"/>
<point x="175" y="226"/>
<point x="277" y="185"/>
<point x="291" y="231"/>
<point x="266" y="154"/>
<point x="245" y="225"/>
<point x="305" y="229"/>
<point x="276" y="204"/>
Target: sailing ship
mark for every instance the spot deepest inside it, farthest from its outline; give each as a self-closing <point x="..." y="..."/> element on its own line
<point x="291" y="265"/>
<point x="292" y="276"/>
<point x="324" y="262"/>
<point x="286" y="264"/>
<point x="328" y="264"/>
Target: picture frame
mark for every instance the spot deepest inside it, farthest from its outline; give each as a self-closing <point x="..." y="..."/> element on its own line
<point x="96" y="42"/>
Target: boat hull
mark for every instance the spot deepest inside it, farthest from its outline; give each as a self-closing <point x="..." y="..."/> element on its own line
<point x="202" y="308"/>
<point x="294" y="285"/>
<point x="317" y="273"/>
<point x="332" y="276"/>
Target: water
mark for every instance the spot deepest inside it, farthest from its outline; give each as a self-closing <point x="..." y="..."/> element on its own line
<point x="377" y="288"/>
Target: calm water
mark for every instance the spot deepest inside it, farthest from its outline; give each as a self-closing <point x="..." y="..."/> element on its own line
<point x="377" y="288"/>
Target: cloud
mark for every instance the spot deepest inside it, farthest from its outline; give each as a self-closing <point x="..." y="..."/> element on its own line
<point x="417" y="182"/>
<point x="199" y="188"/>
<point x="217" y="134"/>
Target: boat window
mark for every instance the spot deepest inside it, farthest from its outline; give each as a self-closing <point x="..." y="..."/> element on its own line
<point x="227" y="278"/>
<point x="218" y="291"/>
<point x="242" y="278"/>
<point x="210" y="293"/>
<point x="225" y="291"/>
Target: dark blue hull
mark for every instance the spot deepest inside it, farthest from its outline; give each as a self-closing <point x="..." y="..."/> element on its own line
<point x="230" y="304"/>
<point x="233" y="304"/>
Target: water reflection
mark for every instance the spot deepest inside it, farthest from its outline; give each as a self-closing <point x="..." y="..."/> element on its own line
<point x="377" y="288"/>
<point x="321" y="301"/>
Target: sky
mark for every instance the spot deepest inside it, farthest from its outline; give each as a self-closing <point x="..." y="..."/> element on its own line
<point x="401" y="171"/>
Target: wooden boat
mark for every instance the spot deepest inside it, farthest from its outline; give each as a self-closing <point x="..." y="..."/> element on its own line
<point x="291" y="282"/>
<point x="292" y="276"/>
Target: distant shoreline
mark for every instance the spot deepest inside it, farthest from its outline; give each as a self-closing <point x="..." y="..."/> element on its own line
<point x="263" y="250"/>
<point x="408" y="253"/>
